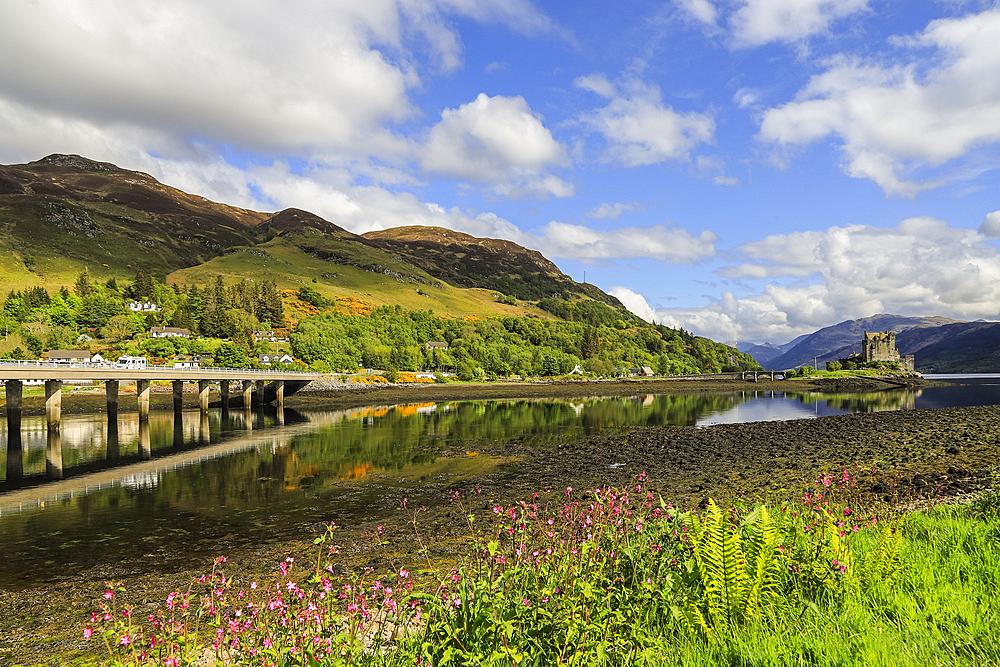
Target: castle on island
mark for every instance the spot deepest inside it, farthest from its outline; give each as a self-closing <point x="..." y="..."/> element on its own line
<point x="879" y="346"/>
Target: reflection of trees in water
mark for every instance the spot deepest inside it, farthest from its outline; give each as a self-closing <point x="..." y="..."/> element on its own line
<point x="875" y="401"/>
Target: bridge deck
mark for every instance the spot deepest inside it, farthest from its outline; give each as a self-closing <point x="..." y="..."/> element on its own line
<point x="34" y="370"/>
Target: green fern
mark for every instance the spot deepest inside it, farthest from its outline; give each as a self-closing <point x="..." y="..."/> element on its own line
<point x="738" y="568"/>
<point x="884" y="562"/>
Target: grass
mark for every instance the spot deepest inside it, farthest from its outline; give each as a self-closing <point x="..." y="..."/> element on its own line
<point x="612" y="577"/>
<point x="291" y="268"/>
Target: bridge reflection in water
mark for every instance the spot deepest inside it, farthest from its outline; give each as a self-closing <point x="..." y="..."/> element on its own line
<point x="254" y="386"/>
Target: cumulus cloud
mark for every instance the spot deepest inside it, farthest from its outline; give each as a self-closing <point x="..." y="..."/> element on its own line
<point x="496" y="140"/>
<point x="614" y="211"/>
<point x="919" y="267"/>
<point x="758" y="22"/>
<point x="668" y="243"/>
<point x="257" y="76"/>
<point x="895" y="121"/>
<point x="701" y="10"/>
<point x="635" y="302"/>
<point x="991" y="225"/>
<point x="638" y="127"/>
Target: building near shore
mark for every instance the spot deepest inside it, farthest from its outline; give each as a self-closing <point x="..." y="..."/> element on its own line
<point x="878" y="347"/>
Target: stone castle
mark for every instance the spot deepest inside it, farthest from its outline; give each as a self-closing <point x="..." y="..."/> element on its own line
<point x="881" y="346"/>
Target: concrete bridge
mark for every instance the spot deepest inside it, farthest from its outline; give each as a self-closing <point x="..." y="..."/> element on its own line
<point x="258" y="387"/>
<point x="745" y="376"/>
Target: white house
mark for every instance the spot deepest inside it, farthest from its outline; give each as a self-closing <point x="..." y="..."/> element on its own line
<point x="270" y="359"/>
<point x="143" y="307"/>
<point x="169" y="332"/>
<point x="183" y="361"/>
<point x="74" y="357"/>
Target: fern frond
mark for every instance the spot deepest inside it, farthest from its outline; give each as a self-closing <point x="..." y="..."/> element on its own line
<point x="722" y="567"/>
<point x="762" y="539"/>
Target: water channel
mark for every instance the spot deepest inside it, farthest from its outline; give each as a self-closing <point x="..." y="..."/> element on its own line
<point x="209" y="483"/>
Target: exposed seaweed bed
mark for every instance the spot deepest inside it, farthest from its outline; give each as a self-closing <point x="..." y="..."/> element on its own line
<point x="941" y="453"/>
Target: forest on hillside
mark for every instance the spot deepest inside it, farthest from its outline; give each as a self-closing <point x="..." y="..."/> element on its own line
<point x="344" y="334"/>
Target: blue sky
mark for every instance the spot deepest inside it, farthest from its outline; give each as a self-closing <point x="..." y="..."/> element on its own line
<point x="749" y="170"/>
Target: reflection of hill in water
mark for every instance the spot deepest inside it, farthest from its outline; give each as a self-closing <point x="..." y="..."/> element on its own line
<point x="879" y="401"/>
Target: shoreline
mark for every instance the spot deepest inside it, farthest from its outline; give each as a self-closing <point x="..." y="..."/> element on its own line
<point x="327" y="394"/>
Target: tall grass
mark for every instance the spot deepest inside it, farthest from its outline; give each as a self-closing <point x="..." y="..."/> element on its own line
<point x="617" y="577"/>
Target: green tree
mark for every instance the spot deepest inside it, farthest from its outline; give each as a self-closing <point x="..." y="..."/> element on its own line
<point x="34" y="344"/>
<point x="14" y="308"/>
<point x="160" y="347"/>
<point x="122" y="327"/>
<point x="270" y="305"/>
<point x="82" y="287"/>
<point x="230" y="355"/>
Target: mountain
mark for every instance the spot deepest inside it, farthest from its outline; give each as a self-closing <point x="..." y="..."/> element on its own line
<point x="961" y="347"/>
<point x="837" y="341"/>
<point x="64" y="213"/>
<point x="763" y="353"/>
<point x="468" y="261"/>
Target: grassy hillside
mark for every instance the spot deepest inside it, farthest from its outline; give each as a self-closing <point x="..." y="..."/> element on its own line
<point x="372" y="276"/>
<point x="65" y="215"/>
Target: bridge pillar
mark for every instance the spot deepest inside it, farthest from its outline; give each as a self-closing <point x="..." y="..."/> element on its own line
<point x="142" y="393"/>
<point x="178" y="396"/>
<point x="247" y="394"/>
<point x="53" y="453"/>
<point x="258" y="391"/>
<point x="145" y="447"/>
<point x="178" y="430"/>
<point x="279" y="393"/>
<point x="15" y="456"/>
<point x="204" y="428"/>
<point x="53" y="402"/>
<point x="203" y="395"/>
<point x="112" y="452"/>
<point x="224" y="393"/>
<point x="111" y="393"/>
<point x="14" y="390"/>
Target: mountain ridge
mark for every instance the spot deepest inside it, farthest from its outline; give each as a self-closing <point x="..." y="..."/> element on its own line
<point x="64" y="213"/>
<point x="940" y="344"/>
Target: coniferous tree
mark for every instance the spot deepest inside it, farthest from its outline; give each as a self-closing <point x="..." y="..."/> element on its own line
<point x="82" y="287"/>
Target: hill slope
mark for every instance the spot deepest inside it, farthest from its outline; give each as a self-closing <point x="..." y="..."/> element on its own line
<point x="64" y="213"/>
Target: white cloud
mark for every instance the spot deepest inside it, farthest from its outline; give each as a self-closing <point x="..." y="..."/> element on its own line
<point x="758" y="22"/>
<point x="714" y="167"/>
<point x="614" y="211"/>
<point x="258" y="76"/>
<point x="639" y="129"/>
<point x="896" y="121"/>
<point x="635" y="302"/>
<point x="701" y="10"/>
<point x="496" y="140"/>
<point x="667" y="243"/>
<point x="991" y="225"/>
<point x="919" y="267"/>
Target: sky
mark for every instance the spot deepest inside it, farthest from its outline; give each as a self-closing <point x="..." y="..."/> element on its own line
<point x="748" y="170"/>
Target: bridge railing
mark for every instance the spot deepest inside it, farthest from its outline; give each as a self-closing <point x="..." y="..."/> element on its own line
<point x="29" y="363"/>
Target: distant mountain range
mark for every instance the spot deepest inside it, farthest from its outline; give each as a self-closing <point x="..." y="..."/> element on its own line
<point x="939" y="344"/>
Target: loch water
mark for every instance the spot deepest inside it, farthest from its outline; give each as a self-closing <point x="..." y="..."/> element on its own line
<point x="208" y="482"/>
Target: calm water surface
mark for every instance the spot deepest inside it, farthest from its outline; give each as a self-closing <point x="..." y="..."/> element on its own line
<point x="187" y="489"/>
